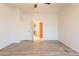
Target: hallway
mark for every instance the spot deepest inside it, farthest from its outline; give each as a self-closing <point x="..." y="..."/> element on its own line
<point x="48" y="48"/>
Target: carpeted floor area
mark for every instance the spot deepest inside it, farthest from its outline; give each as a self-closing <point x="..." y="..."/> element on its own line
<point x="47" y="48"/>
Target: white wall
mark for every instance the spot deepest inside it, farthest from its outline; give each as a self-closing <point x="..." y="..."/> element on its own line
<point x="15" y="26"/>
<point x="68" y="26"/>
<point x="49" y="27"/>
<point x="8" y="25"/>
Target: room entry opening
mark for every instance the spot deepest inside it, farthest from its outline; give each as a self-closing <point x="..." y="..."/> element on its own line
<point x="37" y="30"/>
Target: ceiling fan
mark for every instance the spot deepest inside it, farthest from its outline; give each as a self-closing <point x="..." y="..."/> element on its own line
<point x="35" y="5"/>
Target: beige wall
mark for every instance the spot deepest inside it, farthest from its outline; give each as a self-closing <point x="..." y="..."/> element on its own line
<point x="68" y="26"/>
<point x="50" y="29"/>
<point x="8" y="25"/>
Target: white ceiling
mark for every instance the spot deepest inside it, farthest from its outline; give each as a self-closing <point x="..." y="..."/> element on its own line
<point x="29" y="7"/>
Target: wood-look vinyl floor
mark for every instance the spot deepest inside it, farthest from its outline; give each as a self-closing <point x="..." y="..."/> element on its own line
<point x="47" y="48"/>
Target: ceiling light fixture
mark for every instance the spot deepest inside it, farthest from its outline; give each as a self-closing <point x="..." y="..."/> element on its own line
<point x="35" y="5"/>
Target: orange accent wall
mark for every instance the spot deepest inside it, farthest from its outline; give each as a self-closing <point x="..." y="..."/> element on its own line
<point x="41" y="30"/>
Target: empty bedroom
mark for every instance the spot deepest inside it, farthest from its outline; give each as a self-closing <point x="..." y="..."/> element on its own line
<point x="39" y="29"/>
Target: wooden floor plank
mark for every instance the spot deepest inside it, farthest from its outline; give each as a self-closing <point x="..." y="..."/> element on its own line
<point x="48" y="48"/>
